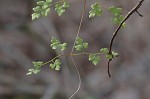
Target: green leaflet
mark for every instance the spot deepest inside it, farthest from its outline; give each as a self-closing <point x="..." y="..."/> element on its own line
<point x="42" y="9"/>
<point x="111" y="56"/>
<point x="55" y="65"/>
<point x="37" y="67"/>
<point x="35" y="71"/>
<point x="104" y="50"/>
<point x="94" y="58"/>
<point x="96" y="10"/>
<point x="115" y="54"/>
<point x="108" y="55"/>
<point x="80" y="45"/>
<point x="60" y="8"/>
<point x="116" y="11"/>
<point x="117" y="17"/>
<point x="55" y="44"/>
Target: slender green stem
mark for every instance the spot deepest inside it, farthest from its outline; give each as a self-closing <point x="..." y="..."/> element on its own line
<point x="70" y="54"/>
<point x="51" y="60"/>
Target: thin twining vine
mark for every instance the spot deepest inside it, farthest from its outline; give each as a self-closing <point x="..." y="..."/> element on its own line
<point x="74" y="46"/>
<point x="44" y="7"/>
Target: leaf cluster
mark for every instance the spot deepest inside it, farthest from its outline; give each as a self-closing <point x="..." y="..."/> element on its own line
<point x="80" y="45"/>
<point x="43" y="8"/>
<point x="94" y="58"/>
<point x="36" y="69"/>
<point x="107" y="54"/>
<point x="60" y="8"/>
<point x="56" y="65"/>
<point x="55" y="44"/>
<point x="117" y="17"/>
<point x="96" y="10"/>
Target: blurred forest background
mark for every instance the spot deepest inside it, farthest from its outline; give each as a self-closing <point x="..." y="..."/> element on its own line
<point x="23" y="40"/>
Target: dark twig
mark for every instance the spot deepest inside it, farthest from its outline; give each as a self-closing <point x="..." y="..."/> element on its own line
<point x="108" y="68"/>
<point x="133" y="10"/>
<point x="139" y="14"/>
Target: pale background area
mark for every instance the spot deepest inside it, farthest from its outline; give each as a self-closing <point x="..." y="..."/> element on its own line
<point x="23" y="40"/>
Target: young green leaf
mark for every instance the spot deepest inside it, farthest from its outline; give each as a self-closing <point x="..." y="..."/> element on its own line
<point x="117" y="17"/>
<point x="95" y="59"/>
<point x="116" y="11"/>
<point x="35" y="15"/>
<point x="55" y="44"/>
<point x="60" y="8"/>
<point x="104" y="50"/>
<point x="42" y="9"/>
<point x="40" y="3"/>
<point x="96" y="10"/>
<point x="36" y="9"/>
<point x="30" y="71"/>
<point x="52" y="66"/>
<point x="63" y="46"/>
<point x="80" y="44"/>
<point x="33" y="71"/>
<point x="79" y="41"/>
<point x="109" y="56"/>
<point x="65" y="5"/>
<point x="85" y="45"/>
<point x="48" y="1"/>
<point x="36" y="71"/>
<point x="37" y="64"/>
<point x="56" y="65"/>
<point x="115" y="54"/>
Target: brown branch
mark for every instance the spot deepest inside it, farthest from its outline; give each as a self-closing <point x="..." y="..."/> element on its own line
<point x="139" y="14"/>
<point x="133" y="10"/>
<point x="109" y="74"/>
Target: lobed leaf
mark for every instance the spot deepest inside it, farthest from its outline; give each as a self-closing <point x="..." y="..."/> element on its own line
<point x="42" y="9"/>
<point x="96" y="10"/>
<point x="80" y="44"/>
<point x="117" y="17"/>
<point x="104" y="50"/>
<point x="56" y="65"/>
<point x="94" y="58"/>
<point x="55" y="44"/>
<point x="60" y="8"/>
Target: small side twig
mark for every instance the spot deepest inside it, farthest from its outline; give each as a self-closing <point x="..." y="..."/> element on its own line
<point x="139" y="14"/>
<point x="133" y="10"/>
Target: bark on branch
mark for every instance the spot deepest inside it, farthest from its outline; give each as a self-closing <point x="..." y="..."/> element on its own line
<point x="133" y="10"/>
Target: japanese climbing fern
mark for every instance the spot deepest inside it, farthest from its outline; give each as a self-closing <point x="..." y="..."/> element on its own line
<point x="43" y="8"/>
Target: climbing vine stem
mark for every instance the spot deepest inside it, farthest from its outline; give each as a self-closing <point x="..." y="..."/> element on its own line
<point x="77" y="35"/>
